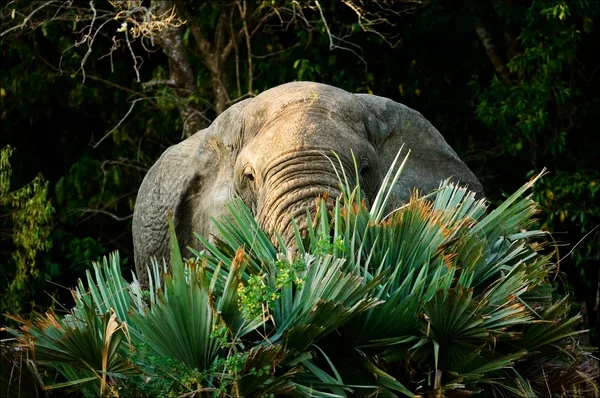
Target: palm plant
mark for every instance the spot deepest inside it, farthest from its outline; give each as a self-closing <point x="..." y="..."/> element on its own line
<point x="436" y="298"/>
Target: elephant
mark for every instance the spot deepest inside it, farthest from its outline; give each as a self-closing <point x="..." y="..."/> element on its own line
<point x="269" y="151"/>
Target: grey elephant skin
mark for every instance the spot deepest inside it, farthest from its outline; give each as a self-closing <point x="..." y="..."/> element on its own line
<point x="269" y="150"/>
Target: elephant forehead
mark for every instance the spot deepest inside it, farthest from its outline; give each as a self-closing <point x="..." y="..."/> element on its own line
<point x="302" y="97"/>
<point x="312" y="127"/>
<point x="300" y="132"/>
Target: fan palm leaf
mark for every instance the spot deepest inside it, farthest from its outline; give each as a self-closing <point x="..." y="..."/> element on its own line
<point x="438" y="297"/>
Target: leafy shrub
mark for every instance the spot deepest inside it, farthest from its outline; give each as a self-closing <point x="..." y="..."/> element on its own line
<point x="27" y="215"/>
<point x="436" y="298"/>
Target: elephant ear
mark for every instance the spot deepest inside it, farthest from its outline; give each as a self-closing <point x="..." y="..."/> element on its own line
<point x="191" y="180"/>
<point x="431" y="160"/>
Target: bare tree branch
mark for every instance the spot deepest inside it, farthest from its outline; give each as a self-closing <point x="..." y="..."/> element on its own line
<point x="123" y="162"/>
<point x="169" y="83"/>
<point x="96" y="78"/>
<point x="262" y="21"/>
<point x="332" y="38"/>
<point x="160" y="23"/>
<point x="106" y="213"/>
<point x="136" y="68"/>
<point x="120" y="122"/>
<point x="491" y="50"/>
<point x="28" y="18"/>
<point x="94" y="212"/>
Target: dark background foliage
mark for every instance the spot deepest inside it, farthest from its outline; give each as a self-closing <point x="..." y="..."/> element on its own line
<point x="512" y="86"/>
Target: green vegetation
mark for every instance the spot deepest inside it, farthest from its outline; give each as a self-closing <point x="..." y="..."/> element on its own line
<point x="436" y="298"/>
<point x="27" y="216"/>
<point x="540" y="110"/>
<point x="90" y="104"/>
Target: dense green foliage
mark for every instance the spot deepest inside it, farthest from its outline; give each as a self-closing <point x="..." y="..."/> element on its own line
<point x="66" y="119"/>
<point x="542" y="115"/>
<point x="28" y="222"/>
<point x="437" y="298"/>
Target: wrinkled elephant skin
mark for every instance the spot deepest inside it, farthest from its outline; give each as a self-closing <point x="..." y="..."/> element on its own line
<point x="269" y="150"/>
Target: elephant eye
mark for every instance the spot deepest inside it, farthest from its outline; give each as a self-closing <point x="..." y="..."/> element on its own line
<point x="249" y="174"/>
<point x="364" y="170"/>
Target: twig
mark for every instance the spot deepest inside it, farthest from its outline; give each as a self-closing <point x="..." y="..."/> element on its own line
<point x="85" y="38"/>
<point x="90" y="40"/>
<point x="195" y="111"/>
<point x="581" y="240"/>
<point x="107" y="205"/>
<point x="241" y="97"/>
<point x="96" y="78"/>
<point x="22" y="25"/>
<point x="276" y="52"/>
<point x="69" y="3"/>
<point x="107" y="213"/>
<point x="120" y="122"/>
<point x="135" y="65"/>
<point x="122" y="163"/>
<point x="362" y="15"/>
<point x="170" y="83"/>
<point x="332" y="45"/>
<point x="263" y="20"/>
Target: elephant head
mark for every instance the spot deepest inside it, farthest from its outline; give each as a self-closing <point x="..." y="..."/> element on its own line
<point x="268" y="150"/>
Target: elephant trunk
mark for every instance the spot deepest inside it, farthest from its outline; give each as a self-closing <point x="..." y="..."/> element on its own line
<point x="289" y="200"/>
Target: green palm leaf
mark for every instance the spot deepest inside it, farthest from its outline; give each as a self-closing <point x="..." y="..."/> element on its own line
<point x="437" y="297"/>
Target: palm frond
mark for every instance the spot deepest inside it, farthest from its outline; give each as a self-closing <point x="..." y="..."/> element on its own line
<point x="437" y="297"/>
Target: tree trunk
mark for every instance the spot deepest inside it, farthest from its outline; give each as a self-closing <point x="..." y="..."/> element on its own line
<point x="491" y="50"/>
<point x="171" y="42"/>
<point x="216" y="54"/>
